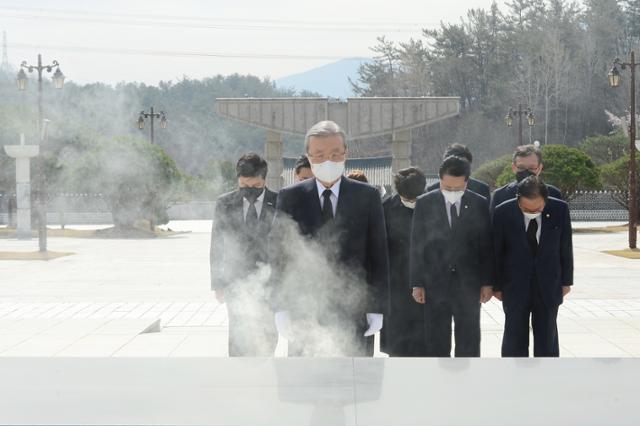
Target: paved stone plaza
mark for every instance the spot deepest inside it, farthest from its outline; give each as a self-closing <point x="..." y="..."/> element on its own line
<point x="107" y="298"/>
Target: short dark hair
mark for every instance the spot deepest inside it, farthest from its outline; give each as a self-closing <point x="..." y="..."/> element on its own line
<point x="458" y="150"/>
<point x="251" y="165"/>
<point x="455" y="166"/>
<point x="410" y="182"/>
<point x="532" y="187"/>
<point x="358" y="175"/>
<point x="525" y="151"/>
<point x="302" y="163"/>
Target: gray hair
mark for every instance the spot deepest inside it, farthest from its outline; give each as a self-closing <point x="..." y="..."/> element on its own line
<point x="527" y="150"/>
<point x="324" y="129"/>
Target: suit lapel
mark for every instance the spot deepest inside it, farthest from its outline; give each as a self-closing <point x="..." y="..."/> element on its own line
<point x="238" y="208"/>
<point x="547" y="220"/>
<point x="343" y="200"/>
<point x="444" y="216"/>
<point x="512" y="190"/>
<point x="519" y="224"/>
<point x="268" y="206"/>
<point x="464" y="206"/>
<point x="313" y="203"/>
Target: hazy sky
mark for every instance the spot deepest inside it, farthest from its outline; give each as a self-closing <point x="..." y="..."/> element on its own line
<point x="148" y="41"/>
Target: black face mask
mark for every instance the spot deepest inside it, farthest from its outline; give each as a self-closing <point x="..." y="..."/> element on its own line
<point x="523" y="174"/>
<point x="251" y="194"/>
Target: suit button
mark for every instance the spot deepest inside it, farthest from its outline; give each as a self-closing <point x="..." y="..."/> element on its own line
<point x="453" y="269"/>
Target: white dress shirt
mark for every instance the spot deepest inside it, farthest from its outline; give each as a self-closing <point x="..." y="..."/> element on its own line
<point x="335" y="193"/>
<point x="448" y="205"/>
<point x="258" y="204"/>
<point x="539" y="220"/>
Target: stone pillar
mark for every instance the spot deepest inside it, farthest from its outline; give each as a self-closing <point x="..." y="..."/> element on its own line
<point x="401" y="150"/>
<point x="273" y="154"/>
<point x="23" y="153"/>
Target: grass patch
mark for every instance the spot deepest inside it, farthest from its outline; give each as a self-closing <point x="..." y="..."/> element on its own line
<point x="626" y="253"/>
<point x="32" y="255"/>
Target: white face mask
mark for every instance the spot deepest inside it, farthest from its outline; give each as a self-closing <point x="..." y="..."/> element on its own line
<point x="532" y="216"/>
<point x="452" y="197"/>
<point x="408" y="204"/>
<point x="329" y="171"/>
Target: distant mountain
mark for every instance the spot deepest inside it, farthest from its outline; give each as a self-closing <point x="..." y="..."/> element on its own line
<point x="330" y="80"/>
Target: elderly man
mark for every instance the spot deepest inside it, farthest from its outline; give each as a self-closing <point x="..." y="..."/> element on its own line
<point x="527" y="161"/>
<point x="331" y="302"/>
<point x="534" y="267"/>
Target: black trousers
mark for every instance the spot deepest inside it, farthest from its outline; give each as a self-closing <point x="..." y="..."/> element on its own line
<point x="403" y="331"/>
<point x="465" y="312"/>
<point x="515" y="341"/>
<point x="252" y="331"/>
<point x="407" y="342"/>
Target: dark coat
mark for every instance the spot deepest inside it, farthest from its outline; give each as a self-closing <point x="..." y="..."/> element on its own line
<point x="403" y="331"/>
<point x="438" y="252"/>
<point x="516" y="265"/>
<point x="234" y="252"/>
<point x="510" y="191"/>
<point x="474" y="185"/>
<point x="355" y="242"/>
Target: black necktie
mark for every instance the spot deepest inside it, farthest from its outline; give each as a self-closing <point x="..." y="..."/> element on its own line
<point x="532" y="230"/>
<point x="454" y="216"/>
<point x="252" y="216"/>
<point x="327" y="208"/>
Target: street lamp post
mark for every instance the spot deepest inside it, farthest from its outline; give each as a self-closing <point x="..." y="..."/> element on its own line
<point x="152" y="116"/>
<point x="520" y="112"/>
<point x="614" y="81"/>
<point x="58" y="82"/>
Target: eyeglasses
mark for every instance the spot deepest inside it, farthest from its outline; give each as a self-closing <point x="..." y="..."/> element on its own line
<point x="524" y="169"/>
<point x="321" y="158"/>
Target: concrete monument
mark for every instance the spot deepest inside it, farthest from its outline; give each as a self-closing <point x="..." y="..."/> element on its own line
<point x="359" y="117"/>
<point x="23" y="154"/>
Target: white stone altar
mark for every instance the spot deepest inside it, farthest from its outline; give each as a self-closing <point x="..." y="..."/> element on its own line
<point x="327" y="392"/>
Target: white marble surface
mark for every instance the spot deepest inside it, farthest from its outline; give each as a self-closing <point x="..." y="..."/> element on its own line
<point x="198" y="391"/>
<point x="499" y="391"/>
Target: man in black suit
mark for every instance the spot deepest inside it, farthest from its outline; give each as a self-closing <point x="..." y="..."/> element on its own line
<point x="527" y="161"/>
<point x="534" y="267"/>
<point x="241" y="222"/>
<point x="335" y="296"/>
<point x="451" y="261"/>
<point x="403" y="332"/>
<point x="474" y="185"/>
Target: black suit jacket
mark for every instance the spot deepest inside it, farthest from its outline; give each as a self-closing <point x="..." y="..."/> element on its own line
<point x="474" y="185"/>
<point x="510" y="191"/>
<point x="355" y="242"/>
<point x="438" y="252"/>
<point x="404" y="317"/>
<point x="234" y="251"/>
<point x="515" y="264"/>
